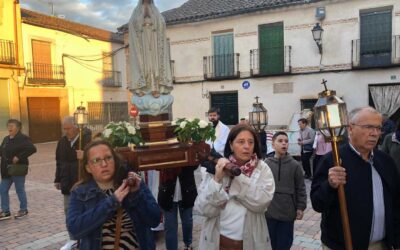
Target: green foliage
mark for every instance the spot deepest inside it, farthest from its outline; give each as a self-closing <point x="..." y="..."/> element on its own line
<point x="121" y="134"/>
<point x="194" y="130"/>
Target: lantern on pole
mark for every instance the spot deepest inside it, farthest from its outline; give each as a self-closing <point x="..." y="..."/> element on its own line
<point x="330" y="114"/>
<point x="258" y="116"/>
<point x="81" y="120"/>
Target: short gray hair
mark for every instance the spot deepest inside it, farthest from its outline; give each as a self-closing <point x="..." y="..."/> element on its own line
<point x="353" y="114"/>
<point x="69" y="120"/>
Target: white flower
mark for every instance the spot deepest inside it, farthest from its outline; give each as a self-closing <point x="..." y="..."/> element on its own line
<point x="189" y="119"/>
<point x="173" y="123"/>
<point x="183" y="124"/>
<point x="131" y="130"/>
<point x="107" y="132"/>
<point x="203" y="124"/>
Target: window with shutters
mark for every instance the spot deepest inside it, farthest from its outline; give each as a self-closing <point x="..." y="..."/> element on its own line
<point x="224" y="62"/>
<point x="271" y="57"/>
<point x="41" y="70"/>
<point x="111" y="78"/>
<point x="227" y="102"/>
<point x="377" y="46"/>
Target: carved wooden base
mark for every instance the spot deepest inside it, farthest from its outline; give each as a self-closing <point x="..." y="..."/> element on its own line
<point x="164" y="156"/>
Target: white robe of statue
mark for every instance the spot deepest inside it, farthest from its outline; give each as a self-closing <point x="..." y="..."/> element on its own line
<point x="149" y="52"/>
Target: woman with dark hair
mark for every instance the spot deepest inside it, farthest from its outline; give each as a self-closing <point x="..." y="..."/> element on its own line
<point x="391" y="145"/>
<point x="234" y="207"/>
<point x="14" y="150"/>
<point x="107" y="211"/>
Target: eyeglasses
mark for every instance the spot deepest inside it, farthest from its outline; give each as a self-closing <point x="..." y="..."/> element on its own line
<point x="368" y="127"/>
<point x="99" y="161"/>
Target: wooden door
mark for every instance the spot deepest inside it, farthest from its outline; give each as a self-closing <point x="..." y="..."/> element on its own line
<point x="41" y="59"/>
<point x="228" y="106"/>
<point x="44" y="119"/>
<point x="271" y="49"/>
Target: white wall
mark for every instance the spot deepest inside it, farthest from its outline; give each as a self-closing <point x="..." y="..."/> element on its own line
<point x="190" y="42"/>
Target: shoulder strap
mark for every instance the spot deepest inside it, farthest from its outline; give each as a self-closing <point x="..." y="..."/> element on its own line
<point x="118" y="229"/>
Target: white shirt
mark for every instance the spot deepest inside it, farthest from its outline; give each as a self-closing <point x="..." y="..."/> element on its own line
<point x="221" y="134"/>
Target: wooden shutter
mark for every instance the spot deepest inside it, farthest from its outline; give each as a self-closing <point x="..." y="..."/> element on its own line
<point x="41" y="58"/>
<point x="271" y="49"/>
<point x="223" y="55"/>
<point x="4" y="102"/>
<point x="376" y="38"/>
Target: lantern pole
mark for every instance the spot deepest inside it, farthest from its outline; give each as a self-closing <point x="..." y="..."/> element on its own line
<point x="81" y="118"/>
<point x="334" y="138"/>
<point x="341" y="195"/>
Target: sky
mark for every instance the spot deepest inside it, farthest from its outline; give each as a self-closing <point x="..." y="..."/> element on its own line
<point x="105" y="14"/>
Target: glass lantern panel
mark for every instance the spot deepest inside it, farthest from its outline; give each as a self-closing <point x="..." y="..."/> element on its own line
<point x="333" y="115"/>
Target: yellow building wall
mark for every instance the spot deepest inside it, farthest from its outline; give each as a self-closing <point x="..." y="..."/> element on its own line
<point x="10" y="71"/>
<point x="83" y="78"/>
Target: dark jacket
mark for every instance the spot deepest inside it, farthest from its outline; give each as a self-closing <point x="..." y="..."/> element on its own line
<point x="19" y="146"/>
<point x="167" y="185"/>
<point x="67" y="163"/>
<point x="359" y="198"/>
<point x="290" y="191"/>
<point x="90" y="208"/>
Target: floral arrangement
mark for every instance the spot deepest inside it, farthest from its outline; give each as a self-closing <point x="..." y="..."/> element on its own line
<point x="193" y="130"/>
<point x="122" y="134"/>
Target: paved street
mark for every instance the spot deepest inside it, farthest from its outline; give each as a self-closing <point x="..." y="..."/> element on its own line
<point x="44" y="227"/>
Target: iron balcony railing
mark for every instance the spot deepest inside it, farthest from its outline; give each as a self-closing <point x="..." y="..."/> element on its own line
<point x="220" y="67"/>
<point x="7" y="53"/>
<point x="112" y="78"/>
<point x="45" y="74"/>
<point x="271" y="61"/>
<point x="380" y="52"/>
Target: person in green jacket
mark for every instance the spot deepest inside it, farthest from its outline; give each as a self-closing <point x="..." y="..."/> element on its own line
<point x="290" y="198"/>
<point x="391" y="145"/>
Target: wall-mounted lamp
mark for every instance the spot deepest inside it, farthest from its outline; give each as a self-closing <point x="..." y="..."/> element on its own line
<point x="317" y="32"/>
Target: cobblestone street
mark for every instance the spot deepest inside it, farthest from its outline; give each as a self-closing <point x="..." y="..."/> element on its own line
<point x="44" y="227"/>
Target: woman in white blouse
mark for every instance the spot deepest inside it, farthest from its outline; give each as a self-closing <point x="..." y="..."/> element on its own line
<point x="234" y="207"/>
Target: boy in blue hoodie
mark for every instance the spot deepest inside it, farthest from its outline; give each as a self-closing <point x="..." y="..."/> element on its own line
<point x="290" y="198"/>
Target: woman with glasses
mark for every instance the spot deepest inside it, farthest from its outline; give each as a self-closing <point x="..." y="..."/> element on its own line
<point x="107" y="211"/>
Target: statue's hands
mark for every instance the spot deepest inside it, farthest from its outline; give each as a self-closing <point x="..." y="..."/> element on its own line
<point x="155" y="94"/>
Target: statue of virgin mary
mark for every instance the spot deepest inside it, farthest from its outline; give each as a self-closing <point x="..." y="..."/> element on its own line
<point x="149" y="54"/>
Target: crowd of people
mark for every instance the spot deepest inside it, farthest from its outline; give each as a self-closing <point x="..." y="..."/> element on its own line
<point x="247" y="201"/>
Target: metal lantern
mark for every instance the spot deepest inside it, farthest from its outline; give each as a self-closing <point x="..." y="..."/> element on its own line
<point x="317" y="32"/>
<point x="330" y="114"/>
<point x="81" y="116"/>
<point x="331" y="120"/>
<point x="258" y="117"/>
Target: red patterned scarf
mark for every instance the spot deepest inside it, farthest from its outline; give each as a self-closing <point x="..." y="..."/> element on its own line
<point x="248" y="167"/>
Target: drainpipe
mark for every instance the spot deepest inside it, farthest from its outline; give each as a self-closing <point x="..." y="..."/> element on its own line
<point x="17" y="55"/>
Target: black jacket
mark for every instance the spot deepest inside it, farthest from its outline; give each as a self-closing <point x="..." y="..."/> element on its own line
<point x="359" y="199"/>
<point x="167" y="185"/>
<point x="19" y="146"/>
<point x="67" y="163"/>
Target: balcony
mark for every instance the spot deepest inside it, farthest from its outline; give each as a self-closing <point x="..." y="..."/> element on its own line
<point x="375" y="53"/>
<point x="7" y="53"/>
<point x="111" y="78"/>
<point x="221" y="67"/>
<point x="45" y="74"/>
<point x="273" y="61"/>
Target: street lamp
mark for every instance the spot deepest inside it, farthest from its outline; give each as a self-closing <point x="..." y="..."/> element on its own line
<point x="317" y="32"/>
<point x="330" y="116"/>
<point x="80" y="119"/>
<point x="258" y="116"/>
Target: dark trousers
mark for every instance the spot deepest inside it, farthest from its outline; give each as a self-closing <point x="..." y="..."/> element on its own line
<point x="315" y="163"/>
<point x="305" y="161"/>
<point x="281" y="234"/>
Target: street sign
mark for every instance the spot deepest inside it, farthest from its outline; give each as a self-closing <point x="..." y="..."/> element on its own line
<point x="246" y="84"/>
